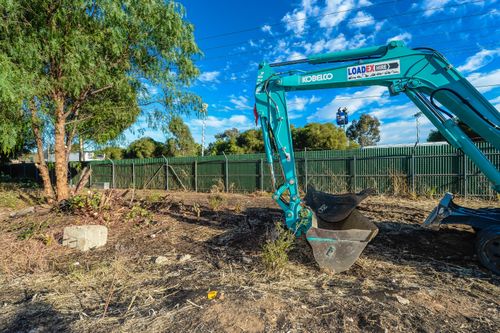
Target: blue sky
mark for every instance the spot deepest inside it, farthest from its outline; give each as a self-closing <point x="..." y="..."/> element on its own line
<point x="236" y="35"/>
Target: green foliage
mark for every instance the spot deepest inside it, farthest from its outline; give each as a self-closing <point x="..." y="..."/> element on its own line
<point x="81" y="68"/>
<point x="311" y="136"/>
<point x="89" y="203"/>
<point x="365" y="131"/>
<point x="114" y="153"/>
<point x="226" y="142"/>
<point x="320" y="136"/>
<point x="138" y="212"/>
<point x="275" y="251"/>
<point x="144" y="148"/>
<point x="181" y="143"/>
<point x="34" y="230"/>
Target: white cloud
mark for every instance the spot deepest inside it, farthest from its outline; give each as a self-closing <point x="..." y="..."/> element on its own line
<point x="335" y="12"/>
<point x="338" y="43"/>
<point x="405" y="37"/>
<point x="296" y="20"/>
<point x="354" y="102"/>
<point x="215" y="125"/>
<point x="394" y="111"/>
<point x="361" y="20"/>
<point x="488" y="80"/>
<point x="267" y="28"/>
<point x="431" y="6"/>
<point x="239" y="102"/>
<point x="404" y="131"/>
<point x="479" y="60"/>
<point x="295" y="56"/>
<point x="297" y="103"/>
<point x="209" y="76"/>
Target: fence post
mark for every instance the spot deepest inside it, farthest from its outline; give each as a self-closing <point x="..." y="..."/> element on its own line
<point x="195" y="175"/>
<point x="413" y="173"/>
<point x="112" y="172"/>
<point x="90" y="177"/>
<point x="465" y="174"/>
<point x="133" y="174"/>
<point x="354" y="173"/>
<point x="166" y="167"/>
<point x="262" y="174"/>
<point x="306" y="181"/>
<point x="226" y="172"/>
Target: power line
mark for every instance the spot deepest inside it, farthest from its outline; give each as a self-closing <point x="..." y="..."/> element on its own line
<point x="455" y="51"/>
<point x="229" y="33"/>
<point x="400" y="27"/>
<point x="358" y="21"/>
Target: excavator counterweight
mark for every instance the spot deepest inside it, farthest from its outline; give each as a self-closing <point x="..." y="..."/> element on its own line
<point x="335" y="229"/>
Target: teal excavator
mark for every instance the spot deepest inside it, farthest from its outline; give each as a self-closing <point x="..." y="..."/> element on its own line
<point x="335" y="229"/>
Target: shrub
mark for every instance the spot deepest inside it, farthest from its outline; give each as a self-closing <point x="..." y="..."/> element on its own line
<point x="275" y="251"/>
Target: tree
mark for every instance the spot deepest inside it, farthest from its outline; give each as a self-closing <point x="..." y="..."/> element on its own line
<point x="312" y="136"/>
<point x="112" y="152"/>
<point x="320" y="136"/>
<point x="144" y="148"/>
<point x="365" y="131"/>
<point x="226" y="142"/>
<point x="181" y="143"/>
<point x="77" y="68"/>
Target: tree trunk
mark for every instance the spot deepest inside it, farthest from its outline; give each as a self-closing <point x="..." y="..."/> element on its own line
<point x="41" y="164"/>
<point x="62" y="189"/>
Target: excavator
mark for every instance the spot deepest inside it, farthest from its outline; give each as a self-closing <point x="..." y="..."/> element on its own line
<point x="335" y="229"/>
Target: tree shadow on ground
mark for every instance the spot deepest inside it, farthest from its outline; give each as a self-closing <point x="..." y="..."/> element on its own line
<point x="38" y="317"/>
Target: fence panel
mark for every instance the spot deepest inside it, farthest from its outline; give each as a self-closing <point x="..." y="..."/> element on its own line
<point x="426" y="169"/>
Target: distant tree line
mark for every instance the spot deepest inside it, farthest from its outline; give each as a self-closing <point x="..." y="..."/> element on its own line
<point x="315" y="136"/>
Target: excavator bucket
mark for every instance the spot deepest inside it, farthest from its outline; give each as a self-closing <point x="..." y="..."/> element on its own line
<point x="339" y="232"/>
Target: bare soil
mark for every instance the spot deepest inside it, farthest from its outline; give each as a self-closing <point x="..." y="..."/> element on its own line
<point x="408" y="279"/>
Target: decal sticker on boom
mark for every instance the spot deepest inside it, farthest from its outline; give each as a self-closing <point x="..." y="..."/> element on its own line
<point x="366" y="71"/>
<point x="316" y="78"/>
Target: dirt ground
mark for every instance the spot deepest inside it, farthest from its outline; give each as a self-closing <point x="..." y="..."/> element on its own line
<point x="408" y="279"/>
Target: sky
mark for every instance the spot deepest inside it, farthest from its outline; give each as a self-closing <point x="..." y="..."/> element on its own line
<point x="235" y="36"/>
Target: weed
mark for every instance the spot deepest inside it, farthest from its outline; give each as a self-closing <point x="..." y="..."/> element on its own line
<point x="218" y="188"/>
<point x="138" y="212"/>
<point x="10" y="199"/>
<point x="35" y="229"/>
<point x="197" y="209"/>
<point x="89" y="203"/>
<point x="216" y="201"/>
<point x="237" y="207"/>
<point x="398" y="183"/>
<point x="275" y="251"/>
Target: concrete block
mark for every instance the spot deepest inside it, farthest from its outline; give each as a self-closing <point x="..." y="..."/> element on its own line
<point x="85" y="237"/>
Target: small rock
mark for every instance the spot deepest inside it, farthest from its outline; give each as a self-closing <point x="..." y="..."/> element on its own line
<point x="246" y="260"/>
<point x="160" y="260"/>
<point x="402" y="300"/>
<point x="22" y="212"/>
<point x="184" y="258"/>
<point x="85" y="237"/>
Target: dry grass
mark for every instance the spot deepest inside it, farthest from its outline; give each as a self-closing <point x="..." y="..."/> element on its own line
<point x="120" y="288"/>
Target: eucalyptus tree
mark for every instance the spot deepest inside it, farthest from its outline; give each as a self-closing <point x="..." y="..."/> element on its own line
<point x="80" y="68"/>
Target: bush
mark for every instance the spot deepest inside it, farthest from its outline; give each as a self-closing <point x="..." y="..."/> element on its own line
<point x="275" y="251"/>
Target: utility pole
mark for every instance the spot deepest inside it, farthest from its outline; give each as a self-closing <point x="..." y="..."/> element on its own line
<point x="204" y="116"/>
<point x="417" y="117"/>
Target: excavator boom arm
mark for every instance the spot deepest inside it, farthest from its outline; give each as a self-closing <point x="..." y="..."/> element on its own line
<point x="424" y="75"/>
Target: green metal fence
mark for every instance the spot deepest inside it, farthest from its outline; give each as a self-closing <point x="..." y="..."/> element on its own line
<point x="425" y="169"/>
